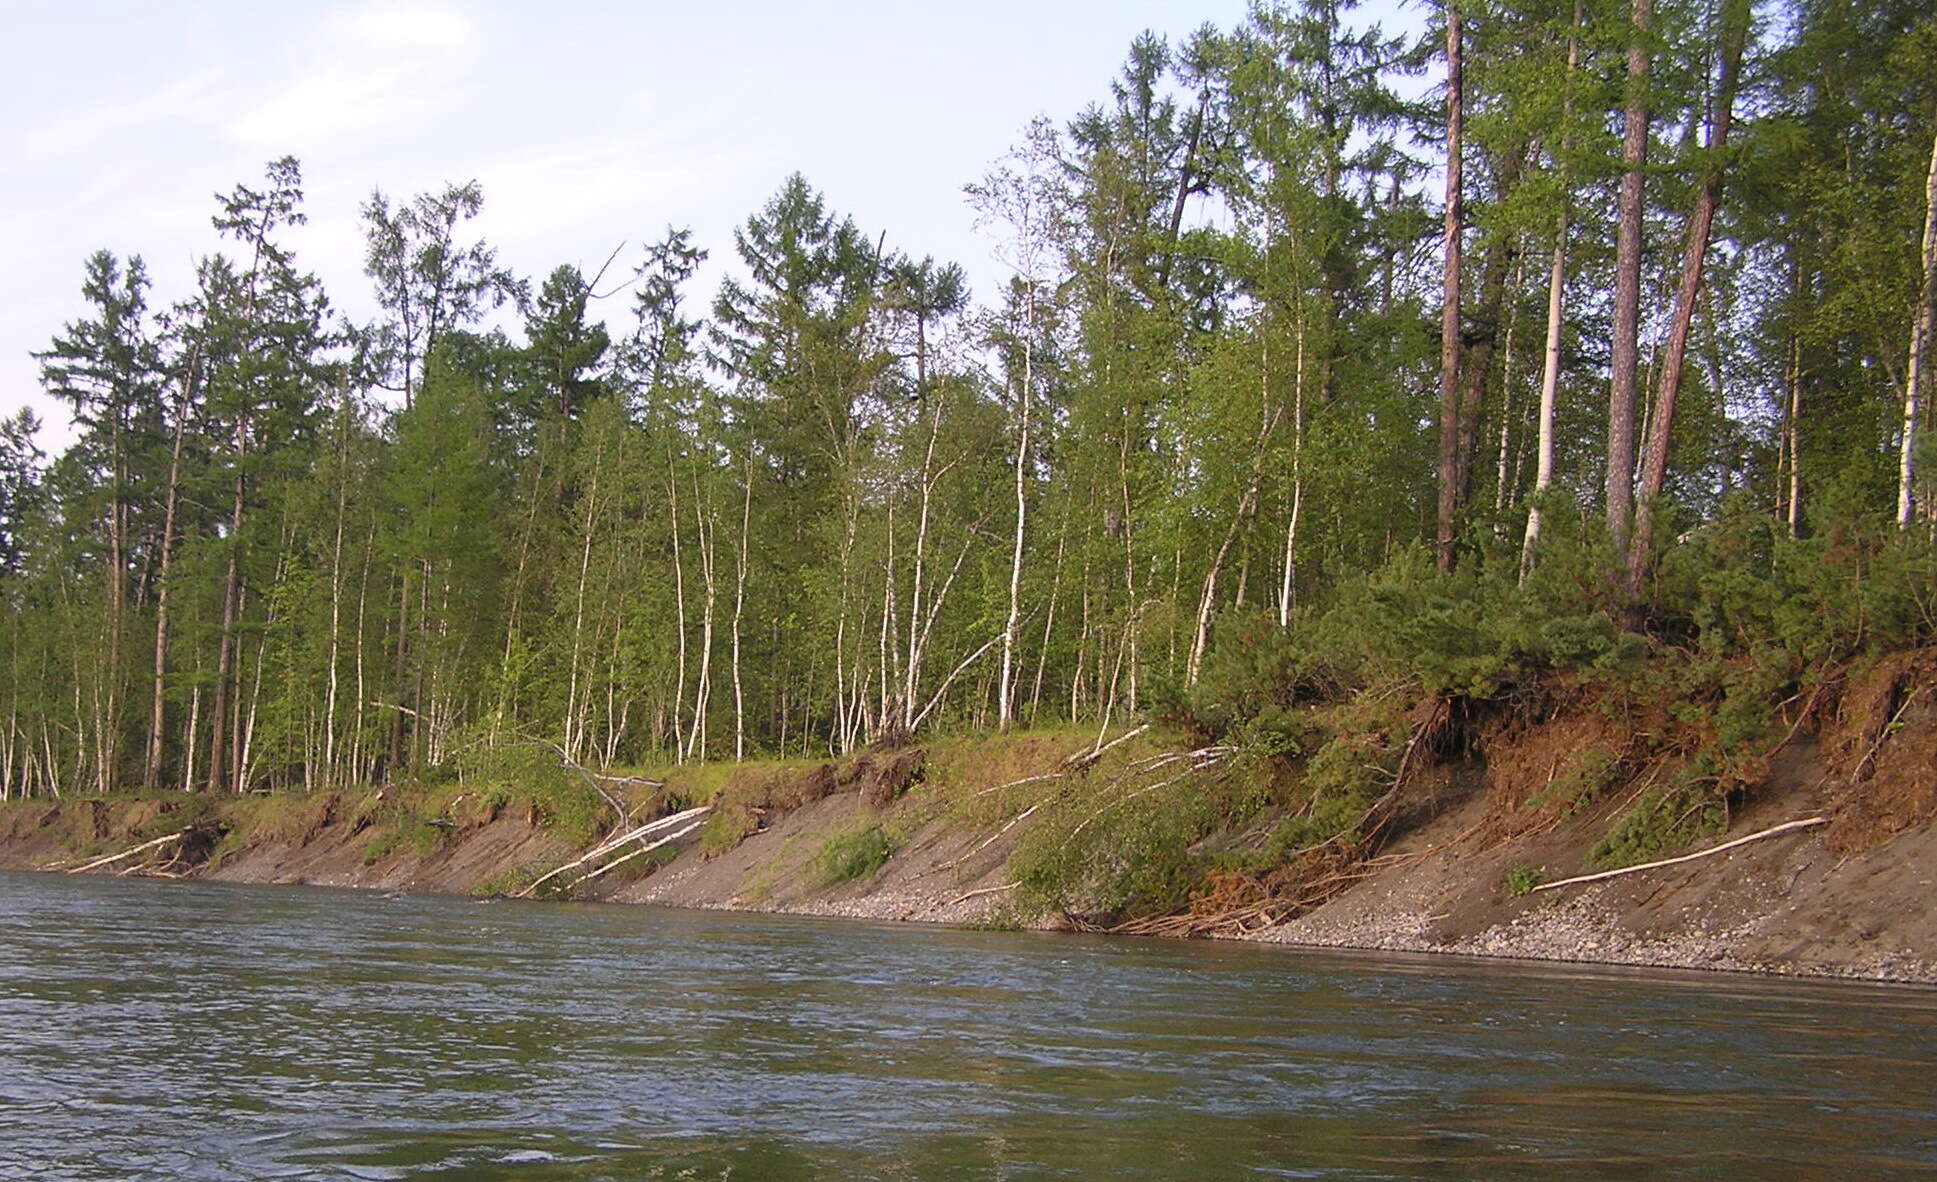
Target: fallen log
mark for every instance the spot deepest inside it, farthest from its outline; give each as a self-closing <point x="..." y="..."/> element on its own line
<point x="647" y="849"/>
<point x="1083" y="759"/>
<point x="976" y="894"/>
<point x="1787" y="826"/>
<point x="1074" y="762"/>
<point x="129" y="852"/>
<point x="611" y="844"/>
<point x="1018" y="819"/>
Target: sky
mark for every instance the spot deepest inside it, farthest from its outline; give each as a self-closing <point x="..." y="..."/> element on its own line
<point x="588" y="125"/>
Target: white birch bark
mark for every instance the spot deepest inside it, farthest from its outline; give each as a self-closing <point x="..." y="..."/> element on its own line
<point x="1920" y="334"/>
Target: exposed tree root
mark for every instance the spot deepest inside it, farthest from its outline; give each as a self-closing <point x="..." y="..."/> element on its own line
<point x="1243" y="905"/>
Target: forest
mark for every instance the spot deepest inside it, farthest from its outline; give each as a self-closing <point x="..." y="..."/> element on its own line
<point x="1570" y="336"/>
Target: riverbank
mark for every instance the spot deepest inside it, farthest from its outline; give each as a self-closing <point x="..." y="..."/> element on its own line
<point x="962" y="832"/>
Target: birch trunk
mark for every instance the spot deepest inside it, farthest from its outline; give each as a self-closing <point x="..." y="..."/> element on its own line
<point x="696" y="737"/>
<point x="1005" y="687"/>
<point x="739" y="604"/>
<point x="1288" y="588"/>
<point x="1556" y="288"/>
<point x="679" y="610"/>
<point x="1920" y="334"/>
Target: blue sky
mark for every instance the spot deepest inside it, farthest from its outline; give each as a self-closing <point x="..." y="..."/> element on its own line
<point x="588" y="126"/>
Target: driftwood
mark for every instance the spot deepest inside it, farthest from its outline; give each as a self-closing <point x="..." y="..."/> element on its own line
<point x="976" y="894"/>
<point x="1806" y="823"/>
<point x="129" y="852"/>
<point x="606" y="847"/>
<point x="644" y="849"/>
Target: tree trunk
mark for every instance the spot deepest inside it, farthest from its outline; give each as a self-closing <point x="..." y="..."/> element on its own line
<point x="1543" y="475"/>
<point x="218" y="710"/>
<point x="1920" y="334"/>
<point x="1792" y="436"/>
<point x="151" y="772"/>
<point x="696" y="737"/>
<point x="739" y="606"/>
<point x="1654" y="469"/>
<point x="1288" y="589"/>
<point x="1005" y="687"/>
<point x="1556" y="288"/>
<point x="1449" y="324"/>
<point x="1626" y="346"/>
<point x="679" y="609"/>
<point x="1477" y="361"/>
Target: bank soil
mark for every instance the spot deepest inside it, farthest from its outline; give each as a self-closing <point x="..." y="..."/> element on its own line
<point x="927" y="835"/>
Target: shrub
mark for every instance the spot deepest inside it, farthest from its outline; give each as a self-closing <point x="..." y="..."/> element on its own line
<point x="1663" y="822"/>
<point x="1521" y="881"/>
<point x="849" y="856"/>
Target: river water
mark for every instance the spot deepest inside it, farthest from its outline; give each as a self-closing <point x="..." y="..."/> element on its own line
<point x="205" y="1031"/>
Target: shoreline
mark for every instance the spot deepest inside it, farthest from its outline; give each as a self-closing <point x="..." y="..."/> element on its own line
<point x="1801" y="905"/>
<point x="1533" y="947"/>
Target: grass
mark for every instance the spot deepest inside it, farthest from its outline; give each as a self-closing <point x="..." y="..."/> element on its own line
<point x="845" y="857"/>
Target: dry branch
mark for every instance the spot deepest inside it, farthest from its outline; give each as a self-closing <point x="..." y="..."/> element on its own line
<point x="965" y="896"/>
<point x="1017" y="783"/>
<point x="644" y="849"/>
<point x="1018" y="819"/>
<point x="606" y="847"/>
<point x="146" y="845"/>
<point x="1889" y="728"/>
<point x="1077" y="761"/>
<point x="1083" y="759"/>
<point x="1787" y="826"/>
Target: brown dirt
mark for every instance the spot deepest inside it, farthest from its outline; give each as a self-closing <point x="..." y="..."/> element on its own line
<point x="1882" y="748"/>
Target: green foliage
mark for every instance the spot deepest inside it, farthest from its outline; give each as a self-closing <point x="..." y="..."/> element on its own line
<point x="505" y="883"/>
<point x="1748" y="589"/>
<point x="562" y="799"/>
<point x="1661" y="824"/>
<point x="1255" y="676"/>
<point x="849" y="856"/>
<point x="807" y="519"/>
<point x="1110" y="846"/>
<point x="1591" y="773"/>
<point x="721" y="833"/>
<point x="1521" y="881"/>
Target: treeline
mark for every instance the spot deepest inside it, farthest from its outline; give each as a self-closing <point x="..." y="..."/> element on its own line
<point x="1249" y="351"/>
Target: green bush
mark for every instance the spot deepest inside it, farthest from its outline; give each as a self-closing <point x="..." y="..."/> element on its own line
<point x="1521" y="881"/>
<point x="850" y="856"/>
<point x="1661" y="824"/>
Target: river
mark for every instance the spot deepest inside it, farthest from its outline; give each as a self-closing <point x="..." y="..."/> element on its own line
<point x="205" y="1031"/>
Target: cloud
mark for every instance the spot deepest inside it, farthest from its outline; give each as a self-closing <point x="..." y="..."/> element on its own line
<point x="86" y="132"/>
<point x="364" y="70"/>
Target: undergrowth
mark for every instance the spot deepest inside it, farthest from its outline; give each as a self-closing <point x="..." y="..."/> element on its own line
<point x="856" y="854"/>
<point x="1660" y="824"/>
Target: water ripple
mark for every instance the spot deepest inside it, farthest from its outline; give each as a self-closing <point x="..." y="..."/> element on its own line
<point x="210" y="1032"/>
